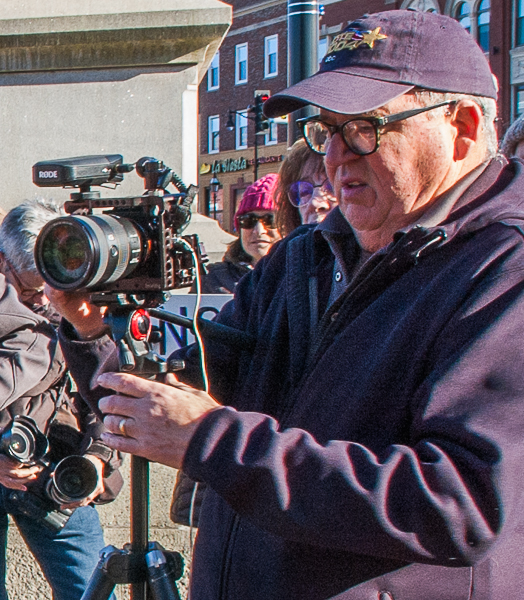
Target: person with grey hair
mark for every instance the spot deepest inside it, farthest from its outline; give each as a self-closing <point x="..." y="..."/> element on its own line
<point x="369" y="444"/>
<point x="43" y="391"/>
<point x="513" y="142"/>
<point x="18" y="232"/>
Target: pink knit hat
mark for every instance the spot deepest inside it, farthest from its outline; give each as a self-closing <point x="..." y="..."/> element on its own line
<point x="258" y="196"/>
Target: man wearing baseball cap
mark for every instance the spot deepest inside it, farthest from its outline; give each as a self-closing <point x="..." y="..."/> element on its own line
<point x="371" y="446"/>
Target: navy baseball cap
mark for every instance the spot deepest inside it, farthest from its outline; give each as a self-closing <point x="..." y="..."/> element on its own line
<point x="381" y="56"/>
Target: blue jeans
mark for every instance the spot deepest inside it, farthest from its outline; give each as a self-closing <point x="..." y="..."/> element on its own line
<point x="67" y="557"/>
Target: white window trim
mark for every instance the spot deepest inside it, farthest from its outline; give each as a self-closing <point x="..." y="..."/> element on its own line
<point x="211" y="118"/>
<point x="267" y="41"/>
<point x="241" y="117"/>
<point x="215" y="64"/>
<point x="273" y="125"/>
<point x="451" y="6"/>
<point x="238" y="47"/>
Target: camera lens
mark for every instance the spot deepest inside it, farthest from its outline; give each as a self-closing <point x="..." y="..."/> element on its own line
<point x="23" y="441"/>
<point x="21" y="445"/>
<point x="74" y="478"/>
<point x="87" y="251"/>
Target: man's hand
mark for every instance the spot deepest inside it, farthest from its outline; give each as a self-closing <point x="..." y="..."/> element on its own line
<point x="99" y="465"/>
<point x="158" y="420"/>
<point x="16" y="476"/>
<point x="86" y="318"/>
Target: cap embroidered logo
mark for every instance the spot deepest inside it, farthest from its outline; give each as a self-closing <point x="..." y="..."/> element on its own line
<point x="350" y="40"/>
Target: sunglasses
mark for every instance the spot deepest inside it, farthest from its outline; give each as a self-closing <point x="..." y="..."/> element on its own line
<point x="249" y="220"/>
<point x="301" y="192"/>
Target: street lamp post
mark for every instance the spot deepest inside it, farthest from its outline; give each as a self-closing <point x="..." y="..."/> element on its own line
<point x="214" y="186"/>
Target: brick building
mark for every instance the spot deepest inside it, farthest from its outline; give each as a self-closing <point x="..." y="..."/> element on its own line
<point x="253" y="57"/>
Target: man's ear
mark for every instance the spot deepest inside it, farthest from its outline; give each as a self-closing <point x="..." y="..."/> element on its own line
<point x="467" y="120"/>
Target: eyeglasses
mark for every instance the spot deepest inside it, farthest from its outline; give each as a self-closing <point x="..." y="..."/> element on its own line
<point x="25" y="293"/>
<point x="249" y="220"/>
<point x="361" y="135"/>
<point x="301" y="192"/>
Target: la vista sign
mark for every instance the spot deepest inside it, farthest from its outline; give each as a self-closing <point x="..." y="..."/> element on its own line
<point x="231" y="165"/>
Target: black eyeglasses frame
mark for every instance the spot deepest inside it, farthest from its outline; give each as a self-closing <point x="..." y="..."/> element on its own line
<point x="376" y="122"/>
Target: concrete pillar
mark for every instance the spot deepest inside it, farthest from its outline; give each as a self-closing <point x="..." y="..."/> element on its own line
<point x="82" y="77"/>
<point x="91" y="77"/>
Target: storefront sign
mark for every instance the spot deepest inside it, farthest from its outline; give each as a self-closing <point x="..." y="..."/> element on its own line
<point x="231" y="165"/>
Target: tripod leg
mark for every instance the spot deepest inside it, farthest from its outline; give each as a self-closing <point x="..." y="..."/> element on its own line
<point x="101" y="585"/>
<point x="161" y="577"/>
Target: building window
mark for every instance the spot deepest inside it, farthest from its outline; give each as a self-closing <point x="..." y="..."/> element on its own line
<point x="241" y="63"/>
<point x="323" y="45"/>
<point x="519" y="101"/>
<point x="271" y="133"/>
<point x="520" y="23"/>
<point x="213" y="139"/>
<point x="474" y="17"/>
<point x="213" y="74"/>
<point x="462" y="15"/>
<point x="215" y="205"/>
<point x="241" y="130"/>
<point x="271" y="56"/>
<point x="483" y="13"/>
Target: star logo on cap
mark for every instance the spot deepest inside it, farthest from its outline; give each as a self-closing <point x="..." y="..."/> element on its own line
<point x="370" y="37"/>
<point x="354" y="38"/>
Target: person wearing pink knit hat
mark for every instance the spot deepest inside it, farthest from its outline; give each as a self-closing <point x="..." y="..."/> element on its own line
<point x="255" y="222"/>
<point x="255" y="218"/>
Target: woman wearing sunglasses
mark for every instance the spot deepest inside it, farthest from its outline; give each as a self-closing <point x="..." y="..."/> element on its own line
<point x="304" y="194"/>
<point x="255" y="222"/>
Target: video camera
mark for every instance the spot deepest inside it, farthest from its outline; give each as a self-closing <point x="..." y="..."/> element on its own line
<point x="134" y="246"/>
<point x="64" y="479"/>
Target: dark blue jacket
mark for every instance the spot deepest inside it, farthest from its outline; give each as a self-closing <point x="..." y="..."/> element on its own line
<point x="378" y="448"/>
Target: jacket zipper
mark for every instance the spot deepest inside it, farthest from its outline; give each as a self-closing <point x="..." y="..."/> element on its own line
<point x="408" y="248"/>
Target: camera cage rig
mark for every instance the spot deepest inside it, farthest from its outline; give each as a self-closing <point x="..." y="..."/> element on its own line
<point x="138" y="250"/>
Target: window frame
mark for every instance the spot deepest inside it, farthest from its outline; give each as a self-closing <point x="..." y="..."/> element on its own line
<point x="267" y="56"/>
<point x="479" y="25"/>
<point x="271" y="136"/>
<point x="240" y="117"/>
<point x="214" y="67"/>
<point x="519" y="23"/>
<point x="213" y="135"/>
<point x="239" y="60"/>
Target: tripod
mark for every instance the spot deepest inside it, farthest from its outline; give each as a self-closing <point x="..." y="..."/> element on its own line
<point x="151" y="570"/>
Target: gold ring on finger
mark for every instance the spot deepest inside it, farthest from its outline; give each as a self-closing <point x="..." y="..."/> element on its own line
<point x="122" y="426"/>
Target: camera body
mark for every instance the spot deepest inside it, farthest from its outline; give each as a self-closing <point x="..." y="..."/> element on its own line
<point x="64" y="479"/>
<point x="119" y="245"/>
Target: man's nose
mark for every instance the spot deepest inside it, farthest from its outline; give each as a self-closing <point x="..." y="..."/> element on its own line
<point x="338" y="152"/>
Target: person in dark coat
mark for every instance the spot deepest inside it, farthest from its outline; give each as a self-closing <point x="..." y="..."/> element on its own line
<point x="255" y="220"/>
<point x="370" y="445"/>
